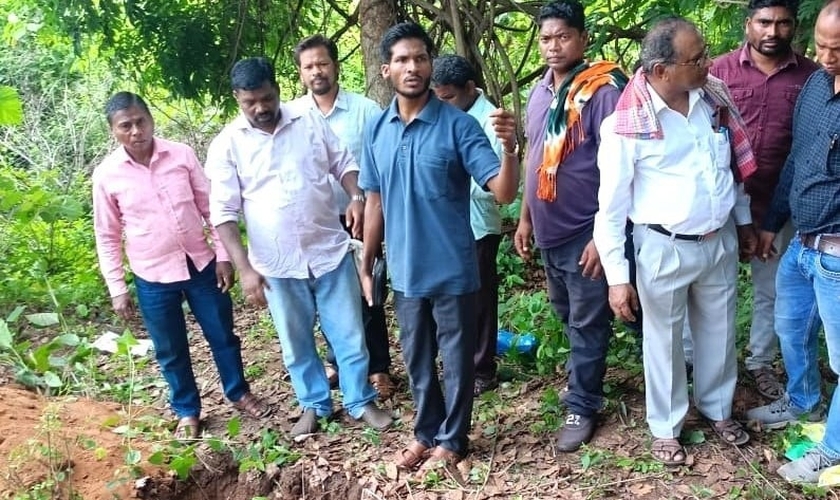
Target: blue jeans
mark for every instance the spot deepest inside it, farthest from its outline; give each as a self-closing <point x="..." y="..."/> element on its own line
<point x="808" y="287"/>
<point x="445" y="325"/>
<point x="160" y="306"/>
<point x="336" y="298"/>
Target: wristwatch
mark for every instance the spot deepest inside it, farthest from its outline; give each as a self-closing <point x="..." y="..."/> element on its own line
<point x="358" y="197"/>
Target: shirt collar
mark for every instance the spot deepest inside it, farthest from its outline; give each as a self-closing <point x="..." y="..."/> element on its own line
<point x="428" y="114"/>
<point x="340" y="102"/>
<point x="659" y="104"/>
<point x="288" y="114"/>
<point x="745" y="57"/>
<point x="160" y="149"/>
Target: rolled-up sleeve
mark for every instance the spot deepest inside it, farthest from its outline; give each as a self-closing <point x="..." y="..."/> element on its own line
<point x="225" y="199"/>
<point x="616" y="163"/>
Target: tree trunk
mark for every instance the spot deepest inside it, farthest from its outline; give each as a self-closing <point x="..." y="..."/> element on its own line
<point x="375" y="17"/>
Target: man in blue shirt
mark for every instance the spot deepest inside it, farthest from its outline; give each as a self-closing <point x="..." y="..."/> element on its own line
<point x="453" y="80"/>
<point x="417" y="161"/>
<point x="316" y="58"/>
<point x="808" y="279"/>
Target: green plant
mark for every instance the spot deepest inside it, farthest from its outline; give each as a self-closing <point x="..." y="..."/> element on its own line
<point x="531" y="312"/>
<point x="49" y="366"/>
<point x="50" y="452"/>
<point x="268" y="450"/>
<point x="551" y="412"/>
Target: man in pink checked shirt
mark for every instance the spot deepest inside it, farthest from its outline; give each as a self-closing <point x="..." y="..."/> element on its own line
<point x="151" y="196"/>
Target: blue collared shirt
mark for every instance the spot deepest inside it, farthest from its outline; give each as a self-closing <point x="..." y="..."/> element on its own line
<point x="422" y="171"/>
<point x="809" y="188"/>
<point x="485" y="217"/>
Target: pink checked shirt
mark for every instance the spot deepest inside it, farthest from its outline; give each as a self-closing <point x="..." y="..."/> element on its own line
<point x="159" y="211"/>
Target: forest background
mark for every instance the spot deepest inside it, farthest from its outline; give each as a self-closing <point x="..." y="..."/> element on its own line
<point x="61" y="59"/>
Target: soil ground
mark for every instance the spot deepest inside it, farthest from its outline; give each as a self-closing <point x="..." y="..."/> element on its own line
<point x="512" y="454"/>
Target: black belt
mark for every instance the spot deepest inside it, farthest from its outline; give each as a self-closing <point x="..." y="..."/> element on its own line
<point x="825" y="243"/>
<point x="677" y="236"/>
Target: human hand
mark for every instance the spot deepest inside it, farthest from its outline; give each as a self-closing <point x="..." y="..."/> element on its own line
<point x="522" y="239"/>
<point x="355" y="217"/>
<point x="591" y="262"/>
<point x="624" y="302"/>
<point x="747" y="242"/>
<point x="253" y="287"/>
<point x="765" y="249"/>
<point x="225" y="277"/>
<point x="123" y="306"/>
<point x="504" y="124"/>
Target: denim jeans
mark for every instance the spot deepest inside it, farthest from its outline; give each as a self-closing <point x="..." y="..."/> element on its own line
<point x="336" y="298"/>
<point x="160" y="306"/>
<point x="583" y="306"/>
<point x="445" y="325"/>
<point x="808" y="284"/>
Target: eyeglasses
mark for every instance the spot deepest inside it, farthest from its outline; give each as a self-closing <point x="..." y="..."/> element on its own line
<point x="698" y="62"/>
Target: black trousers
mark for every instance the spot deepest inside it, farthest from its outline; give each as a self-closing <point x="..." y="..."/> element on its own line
<point x="487" y="307"/>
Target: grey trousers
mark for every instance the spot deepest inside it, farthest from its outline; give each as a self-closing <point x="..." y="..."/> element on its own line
<point x="681" y="281"/>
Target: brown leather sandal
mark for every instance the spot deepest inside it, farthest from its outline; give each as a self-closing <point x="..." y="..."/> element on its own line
<point x="188" y="428"/>
<point x="411" y="456"/>
<point x="730" y="431"/>
<point x="253" y="406"/>
<point x="767" y="383"/>
<point x="668" y="451"/>
<point x="383" y="385"/>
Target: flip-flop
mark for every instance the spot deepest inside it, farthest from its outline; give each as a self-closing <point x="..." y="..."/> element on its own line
<point x="668" y="451"/>
<point x="253" y="406"/>
<point x="188" y="428"/>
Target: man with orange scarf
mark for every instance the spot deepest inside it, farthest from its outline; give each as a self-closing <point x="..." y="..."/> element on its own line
<point x="563" y="118"/>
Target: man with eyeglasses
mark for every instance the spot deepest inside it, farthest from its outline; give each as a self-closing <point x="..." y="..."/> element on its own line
<point x="765" y="76"/>
<point x="672" y="159"/>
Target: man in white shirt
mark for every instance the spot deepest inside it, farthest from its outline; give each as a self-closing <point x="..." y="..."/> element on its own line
<point x="666" y="163"/>
<point x="316" y="58"/>
<point x="273" y="164"/>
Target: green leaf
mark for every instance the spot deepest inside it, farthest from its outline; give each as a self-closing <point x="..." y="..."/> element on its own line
<point x="157" y="458"/>
<point x="182" y="465"/>
<point x="233" y="427"/>
<point x="15" y="314"/>
<point x="43" y="319"/>
<point x="11" y="109"/>
<point x="132" y="457"/>
<point x="694" y="437"/>
<point x="68" y="339"/>
<point x="5" y="335"/>
<point x="52" y="380"/>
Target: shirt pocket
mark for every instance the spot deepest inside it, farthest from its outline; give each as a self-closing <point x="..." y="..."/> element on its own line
<point x="721" y="149"/>
<point x="431" y="176"/>
<point x="740" y="95"/>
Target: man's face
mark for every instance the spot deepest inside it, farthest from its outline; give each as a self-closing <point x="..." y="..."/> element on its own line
<point x="410" y="68"/>
<point x="259" y="105"/>
<point x="561" y="46"/>
<point x="318" y="72"/>
<point x="827" y="43"/>
<point x="691" y="68"/>
<point x="770" y="31"/>
<point x="134" y="129"/>
<point x="460" y="97"/>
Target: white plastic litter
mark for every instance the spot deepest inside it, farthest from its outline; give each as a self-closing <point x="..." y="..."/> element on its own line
<point x="107" y="342"/>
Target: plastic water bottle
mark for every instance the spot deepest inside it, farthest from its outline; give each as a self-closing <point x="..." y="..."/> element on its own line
<point x="523" y="343"/>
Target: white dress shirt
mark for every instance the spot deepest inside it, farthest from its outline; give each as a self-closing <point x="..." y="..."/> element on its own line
<point x="280" y="182"/>
<point x="683" y="182"/>
<point x="347" y="120"/>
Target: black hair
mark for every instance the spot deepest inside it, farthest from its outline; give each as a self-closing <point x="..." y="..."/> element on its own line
<point x="570" y="11"/>
<point x="454" y="70"/>
<point x="313" y="41"/>
<point x="123" y="100"/>
<point x="658" y="44"/>
<point x="403" y="31"/>
<point x="252" y="73"/>
<point x="792" y="6"/>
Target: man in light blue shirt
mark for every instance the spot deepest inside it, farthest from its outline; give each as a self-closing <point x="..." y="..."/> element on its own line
<point x="418" y="157"/>
<point x="453" y="81"/>
<point x="346" y="113"/>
